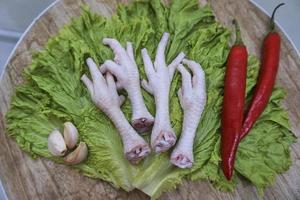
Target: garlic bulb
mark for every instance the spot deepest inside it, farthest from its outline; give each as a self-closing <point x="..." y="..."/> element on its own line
<point x="70" y="135"/>
<point x="56" y="144"/>
<point x="78" y="155"/>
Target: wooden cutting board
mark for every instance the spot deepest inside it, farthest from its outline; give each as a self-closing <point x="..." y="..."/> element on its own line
<point x="25" y="178"/>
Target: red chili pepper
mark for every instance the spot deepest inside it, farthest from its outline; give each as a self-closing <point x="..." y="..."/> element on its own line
<point x="266" y="79"/>
<point x="233" y="104"/>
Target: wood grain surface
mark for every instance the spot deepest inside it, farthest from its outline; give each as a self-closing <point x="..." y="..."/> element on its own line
<point x="26" y="179"/>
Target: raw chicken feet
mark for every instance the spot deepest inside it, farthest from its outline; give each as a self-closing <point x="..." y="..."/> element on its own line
<point x="159" y="80"/>
<point x="125" y="70"/>
<point x="192" y="98"/>
<point x="104" y="94"/>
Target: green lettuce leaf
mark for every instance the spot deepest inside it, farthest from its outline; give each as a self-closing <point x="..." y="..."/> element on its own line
<point x="53" y="94"/>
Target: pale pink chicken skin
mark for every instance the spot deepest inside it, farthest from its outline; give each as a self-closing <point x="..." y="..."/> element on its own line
<point x="104" y="94"/>
<point x="192" y="98"/>
<point x="159" y="80"/>
<point x="125" y="70"/>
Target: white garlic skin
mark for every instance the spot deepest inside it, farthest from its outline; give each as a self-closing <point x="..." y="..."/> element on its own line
<point x="70" y="135"/>
<point x="78" y="155"/>
<point x="56" y="144"/>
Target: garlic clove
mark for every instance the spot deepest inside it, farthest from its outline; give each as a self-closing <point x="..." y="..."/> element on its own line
<point x="78" y="155"/>
<point x="70" y="135"/>
<point x="56" y="144"/>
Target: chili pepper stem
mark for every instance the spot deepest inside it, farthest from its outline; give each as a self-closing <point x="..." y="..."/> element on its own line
<point x="272" y="23"/>
<point x="238" y="39"/>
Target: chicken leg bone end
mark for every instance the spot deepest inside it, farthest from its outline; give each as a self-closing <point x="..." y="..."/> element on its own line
<point x="182" y="160"/>
<point x="164" y="141"/>
<point x="136" y="154"/>
<point x="143" y="124"/>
